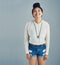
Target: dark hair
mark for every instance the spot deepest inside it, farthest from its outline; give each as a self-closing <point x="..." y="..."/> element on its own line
<point x="35" y="5"/>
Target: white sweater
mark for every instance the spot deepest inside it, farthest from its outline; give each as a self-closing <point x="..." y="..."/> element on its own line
<point x="31" y="37"/>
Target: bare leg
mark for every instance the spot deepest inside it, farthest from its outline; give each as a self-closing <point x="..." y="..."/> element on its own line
<point x="33" y="61"/>
<point x="41" y="61"/>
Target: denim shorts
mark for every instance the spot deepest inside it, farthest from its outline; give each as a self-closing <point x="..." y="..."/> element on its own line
<point x="37" y="50"/>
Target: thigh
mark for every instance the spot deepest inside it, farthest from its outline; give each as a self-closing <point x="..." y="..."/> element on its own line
<point x="32" y="50"/>
<point x="41" y="61"/>
<point x="33" y="61"/>
<point x="41" y="51"/>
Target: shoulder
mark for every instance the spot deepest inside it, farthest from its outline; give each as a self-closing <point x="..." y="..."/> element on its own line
<point x="45" y="23"/>
<point x="28" y="23"/>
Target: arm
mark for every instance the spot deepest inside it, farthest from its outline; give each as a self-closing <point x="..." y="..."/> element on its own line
<point x="47" y="39"/>
<point x="47" y="42"/>
<point x="26" y="39"/>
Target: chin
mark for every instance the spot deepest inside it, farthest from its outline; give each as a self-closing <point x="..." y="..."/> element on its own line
<point x="38" y="17"/>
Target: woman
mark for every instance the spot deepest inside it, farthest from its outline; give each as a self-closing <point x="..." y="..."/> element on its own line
<point x="37" y="37"/>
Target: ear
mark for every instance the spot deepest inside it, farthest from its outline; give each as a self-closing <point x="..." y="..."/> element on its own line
<point x="32" y="15"/>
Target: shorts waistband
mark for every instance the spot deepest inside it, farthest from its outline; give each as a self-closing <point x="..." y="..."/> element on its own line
<point x="37" y="45"/>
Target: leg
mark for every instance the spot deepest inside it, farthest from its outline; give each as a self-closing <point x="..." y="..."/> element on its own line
<point x="33" y="61"/>
<point x="41" y="54"/>
<point x="41" y="61"/>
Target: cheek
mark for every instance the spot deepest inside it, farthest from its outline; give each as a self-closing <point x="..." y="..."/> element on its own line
<point x="34" y="14"/>
<point x="41" y="13"/>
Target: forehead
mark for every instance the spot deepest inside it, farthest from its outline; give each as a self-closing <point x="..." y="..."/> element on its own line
<point x="37" y="8"/>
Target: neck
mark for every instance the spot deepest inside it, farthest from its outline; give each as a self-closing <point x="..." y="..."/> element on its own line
<point x="38" y="20"/>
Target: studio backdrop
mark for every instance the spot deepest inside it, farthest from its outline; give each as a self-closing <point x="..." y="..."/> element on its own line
<point x="14" y="14"/>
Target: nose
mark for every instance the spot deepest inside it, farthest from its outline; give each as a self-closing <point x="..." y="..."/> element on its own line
<point x="37" y="13"/>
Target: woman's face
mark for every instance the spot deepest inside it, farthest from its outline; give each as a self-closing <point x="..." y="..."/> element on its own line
<point x="37" y="13"/>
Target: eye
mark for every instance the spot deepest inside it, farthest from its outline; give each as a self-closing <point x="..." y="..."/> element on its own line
<point x="38" y="10"/>
<point x="34" y="10"/>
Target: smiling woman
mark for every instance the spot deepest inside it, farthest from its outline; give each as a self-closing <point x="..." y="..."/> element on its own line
<point x="37" y="37"/>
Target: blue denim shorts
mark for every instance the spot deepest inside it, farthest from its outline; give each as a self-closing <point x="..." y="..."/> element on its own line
<point x="37" y="50"/>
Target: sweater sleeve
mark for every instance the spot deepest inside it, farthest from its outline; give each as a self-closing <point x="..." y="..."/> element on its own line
<point x="47" y="39"/>
<point x="26" y="39"/>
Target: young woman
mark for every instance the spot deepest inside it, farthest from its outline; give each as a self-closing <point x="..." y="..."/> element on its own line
<point x="37" y="37"/>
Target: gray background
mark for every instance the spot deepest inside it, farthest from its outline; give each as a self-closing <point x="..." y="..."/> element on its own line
<point x="13" y="16"/>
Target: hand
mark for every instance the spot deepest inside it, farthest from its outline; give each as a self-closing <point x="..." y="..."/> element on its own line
<point x="28" y="56"/>
<point x="45" y="57"/>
